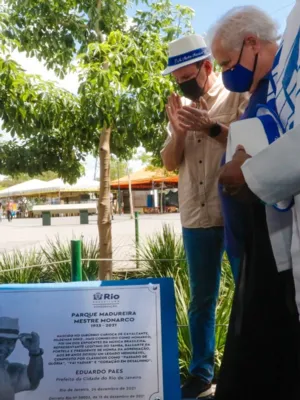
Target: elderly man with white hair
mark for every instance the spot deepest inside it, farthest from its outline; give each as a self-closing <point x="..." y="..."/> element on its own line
<point x="261" y="359"/>
<point x="197" y="136"/>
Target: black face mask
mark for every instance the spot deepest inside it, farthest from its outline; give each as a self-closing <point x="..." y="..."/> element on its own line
<point x="191" y="88"/>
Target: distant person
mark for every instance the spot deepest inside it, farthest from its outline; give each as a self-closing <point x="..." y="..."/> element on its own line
<point x="15" y="377"/>
<point x="197" y="136"/>
<point x="9" y="210"/>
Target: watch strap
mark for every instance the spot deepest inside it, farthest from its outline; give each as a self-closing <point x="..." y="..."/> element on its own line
<point x="215" y="130"/>
<point x="40" y="353"/>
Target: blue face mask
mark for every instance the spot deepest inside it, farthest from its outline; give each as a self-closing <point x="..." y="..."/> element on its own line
<point x="238" y="78"/>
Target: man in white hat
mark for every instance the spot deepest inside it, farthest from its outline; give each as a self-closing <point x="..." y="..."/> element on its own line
<point x="15" y="377"/>
<point x="197" y="136"/>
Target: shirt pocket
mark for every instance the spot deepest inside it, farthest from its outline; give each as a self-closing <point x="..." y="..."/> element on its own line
<point x="227" y="119"/>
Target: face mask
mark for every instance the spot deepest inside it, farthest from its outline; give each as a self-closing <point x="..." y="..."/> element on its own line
<point x="191" y="88"/>
<point x="239" y="79"/>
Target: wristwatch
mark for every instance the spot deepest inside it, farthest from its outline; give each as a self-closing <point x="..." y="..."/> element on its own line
<point x="40" y="353"/>
<point x="215" y="130"/>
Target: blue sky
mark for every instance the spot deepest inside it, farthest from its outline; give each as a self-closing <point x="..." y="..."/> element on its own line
<point x="207" y="11"/>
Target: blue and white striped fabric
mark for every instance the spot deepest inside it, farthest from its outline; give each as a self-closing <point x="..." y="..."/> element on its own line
<point x="273" y="174"/>
<point x="284" y="88"/>
<point x="282" y="96"/>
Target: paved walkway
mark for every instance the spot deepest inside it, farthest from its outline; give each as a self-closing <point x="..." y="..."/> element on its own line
<point x="28" y="233"/>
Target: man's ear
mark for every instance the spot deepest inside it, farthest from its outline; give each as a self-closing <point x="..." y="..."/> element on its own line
<point x="208" y="67"/>
<point x="252" y="41"/>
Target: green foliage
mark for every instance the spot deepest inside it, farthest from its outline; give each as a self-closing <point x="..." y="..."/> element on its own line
<point x="53" y="263"/>
<point x="217" y="67"/>
<point x="165" y="19"/>
<point x="223" y="311"/>
<point x="166" y="246"/>
<point x="57" y="255"/>
<point x="129" y="95"/>
<point x="120" y="80"/>
<point x="38" y="115"/>
<point x="118" y="169"/>
<point x="9" y="262"/>
<point x="56" y="31"/>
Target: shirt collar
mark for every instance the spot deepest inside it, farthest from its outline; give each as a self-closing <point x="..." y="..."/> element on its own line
<point x="216" y="88"/>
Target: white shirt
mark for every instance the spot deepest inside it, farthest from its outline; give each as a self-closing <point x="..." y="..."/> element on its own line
<point x="13" y="379"/>
<point x="199" y="202"/>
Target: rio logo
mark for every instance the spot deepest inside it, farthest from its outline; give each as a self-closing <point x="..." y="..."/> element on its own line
<point x="106" y="296"/>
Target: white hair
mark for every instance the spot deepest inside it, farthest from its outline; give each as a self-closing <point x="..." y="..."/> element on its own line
<point x="240" y="22"/>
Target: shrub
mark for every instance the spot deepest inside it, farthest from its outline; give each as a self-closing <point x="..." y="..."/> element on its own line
<point x="13" y="267"/>
<point x="58" y="255"/>
<point x="167" y="246"/>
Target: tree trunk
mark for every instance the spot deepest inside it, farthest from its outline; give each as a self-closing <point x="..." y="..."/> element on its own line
<point x="130" y="194"/>
<point x="104" y="215"/>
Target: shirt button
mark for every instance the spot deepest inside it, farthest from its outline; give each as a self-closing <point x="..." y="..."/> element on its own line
<point x="199" y="140"/>
<point x="203" y="205"/>
<point x="200" y="162"/>
<point x="201" y="183"/>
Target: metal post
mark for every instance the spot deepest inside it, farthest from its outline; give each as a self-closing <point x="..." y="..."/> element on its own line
<point x="119" y="190"/>
<point x="76" y="260"/>
<point x="161" y="198"/>
<point x="137" y="237"/>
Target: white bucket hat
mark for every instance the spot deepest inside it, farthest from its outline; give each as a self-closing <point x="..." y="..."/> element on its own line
<point x="9" y="328"/>
<point x="186" y="51"/>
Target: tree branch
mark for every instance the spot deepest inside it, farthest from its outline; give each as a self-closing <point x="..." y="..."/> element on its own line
<point x="97" y="27"/>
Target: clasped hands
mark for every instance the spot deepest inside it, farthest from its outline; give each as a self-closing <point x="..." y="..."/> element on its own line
<point x="188" y="118"/>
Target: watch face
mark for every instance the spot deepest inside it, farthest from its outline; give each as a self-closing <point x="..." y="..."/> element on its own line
<point x="215" y="130"/>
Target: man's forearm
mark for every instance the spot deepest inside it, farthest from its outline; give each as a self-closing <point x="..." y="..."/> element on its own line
<point x="172" y="154"/>
<point x="35" y="371"/>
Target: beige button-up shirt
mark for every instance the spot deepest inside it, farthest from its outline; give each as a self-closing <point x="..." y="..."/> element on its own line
<point x="199" y="202"/>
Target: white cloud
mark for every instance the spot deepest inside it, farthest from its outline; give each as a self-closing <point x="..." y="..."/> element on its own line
<point x="135" y="165"/>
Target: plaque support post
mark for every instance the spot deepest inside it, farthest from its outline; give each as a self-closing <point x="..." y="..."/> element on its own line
<point x="76" y="260"/>
<point x="137" y="237"/>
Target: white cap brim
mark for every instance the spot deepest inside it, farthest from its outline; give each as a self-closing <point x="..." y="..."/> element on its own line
<point x="9" y="336"/>
<point x="169" y="70"/>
